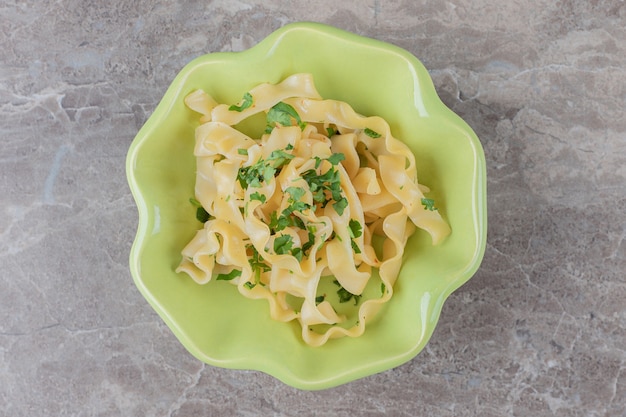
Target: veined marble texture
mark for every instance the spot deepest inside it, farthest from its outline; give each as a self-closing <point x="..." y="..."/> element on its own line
<point x="539" y="331"/>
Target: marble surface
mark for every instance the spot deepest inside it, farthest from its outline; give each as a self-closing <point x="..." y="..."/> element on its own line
<point x="539" y="331"/>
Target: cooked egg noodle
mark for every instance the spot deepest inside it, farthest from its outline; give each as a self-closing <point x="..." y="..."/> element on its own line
<point x="285" y="207"/>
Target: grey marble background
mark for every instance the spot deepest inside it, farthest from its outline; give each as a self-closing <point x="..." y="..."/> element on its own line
<point x="539" y="331"/>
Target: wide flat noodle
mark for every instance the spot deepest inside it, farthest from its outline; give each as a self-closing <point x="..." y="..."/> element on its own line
<point x="303" y="201"/>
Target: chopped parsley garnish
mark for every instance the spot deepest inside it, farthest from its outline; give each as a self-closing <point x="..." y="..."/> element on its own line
<point x="371" y="133"/>
<point x="263" y="170"/>
<point x="319" y="299"/>
<point x="283" y="244"/>
<point x="330" y="132"/>
<point x="257" y="263"/>
<point x="356" y="230"/>
<point x="279" y="158"/>
<point x="335" y="158"/>
<point x="282" y="113"/>
<point x="194" y="202"/>
<point x="340" y="205"/>
<point x="254" y="175"/>
<point x="429" y="204"/>
<point x="325" y="188"/>
<point x="296" y="206"/>
<point x="309" y="243"/>
<point x="242" y="151"/>
<point x="296" y="193"/>
<point x="383" y="288"/>
<point x="246" y="102"/>
<point x="201" y="214"/>
<point x="249" y="285"/>
<point x="327" y="183"/>
<point x="278" y="223"/>
<point x="297" y="253"/>
<point x="231" y="275"/>
<point x="345" y="295"/>
<point x="258" y="196"/>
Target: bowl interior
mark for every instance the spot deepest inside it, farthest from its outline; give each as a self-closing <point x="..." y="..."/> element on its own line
<point x="213" y="321"/>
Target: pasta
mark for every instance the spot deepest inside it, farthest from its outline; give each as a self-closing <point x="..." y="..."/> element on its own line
<point x="313" y="197"/>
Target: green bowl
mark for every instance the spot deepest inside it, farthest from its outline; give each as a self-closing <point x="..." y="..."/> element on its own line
<point x="222" y="328"/>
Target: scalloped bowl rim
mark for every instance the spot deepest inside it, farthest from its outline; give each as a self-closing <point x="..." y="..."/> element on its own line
<point x="435" y="303"/>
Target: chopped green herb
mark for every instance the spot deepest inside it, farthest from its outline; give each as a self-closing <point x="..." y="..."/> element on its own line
<point x="267" y="173"/>
<point x="289" y="147"/>
<point x="283" y="244"/>
<point x="254" y="175"/>
<point x="383" y="288"/>
<point x="297" y="253"/>
<point x="249" y="285"/>
<point x="335" y="158"/>
<point x="355" y="228"/>
<point x="258" y="196"/>
<point x="355" y="247"/>
<point x="335" y="186"/>
<point x="298" y="222"/>
<point x="296" y="193"/>
<point x="330" y="132"/>
<point x="345" y="295"/>
<point x="429" y="204"/>
<point x="201" y="214"/>
<point x="280" y="158"/>
<point x="340" y="205"/>
<point x="319" y="196"/>
<point x="246" y="102"/>
<point x="282" y="113"/>
<point x="371" y="133"/>
<point x="257" y="263"/>
<point x="278" y="223"/>
<point x="285" y="218"/>
<point x="231" y="275"/>
<point x="330" y="182"/>
<point x="319" y="299"/>
<point x="242" y="151"/>
<point x="309" y="243"/>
